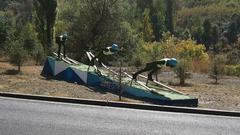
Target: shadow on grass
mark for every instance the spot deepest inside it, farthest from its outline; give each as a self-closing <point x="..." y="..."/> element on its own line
<point x="98" y="90"/>
<point x="215" y="84"/>
<point x="179" y="85"/>
<point x="11" y="72"/>
<point x="48" y="78"/>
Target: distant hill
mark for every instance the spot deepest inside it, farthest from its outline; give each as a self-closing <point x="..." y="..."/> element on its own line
<point x="194" y="12"/>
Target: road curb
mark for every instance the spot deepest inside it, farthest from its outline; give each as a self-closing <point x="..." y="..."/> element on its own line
<point x="123" y="105"/>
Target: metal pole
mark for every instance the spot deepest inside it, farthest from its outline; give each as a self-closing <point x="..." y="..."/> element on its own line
<point x="120" y="80"/>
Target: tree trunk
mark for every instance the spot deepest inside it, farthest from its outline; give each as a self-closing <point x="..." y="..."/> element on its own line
<point x="169" y="16"/>
<point x="216" y="80"/>
<point x="19" y="67"/>
<point x="182" y="81"/>
<point x="157" y="76"/>
<point x="120" y="81"/>
<point x="182" y="77"/>
<point x="49" y="38"/>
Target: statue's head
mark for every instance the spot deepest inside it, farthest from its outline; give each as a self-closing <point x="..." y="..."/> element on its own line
<point x="115" y="47"/>
<point x="172" y="62"/>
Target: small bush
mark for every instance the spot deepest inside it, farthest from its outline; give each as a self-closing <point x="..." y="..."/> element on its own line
<point x="233" y="57"/>
<point x="39" y="55"/>
<point x="238" y="70"/>
<point x="137" y="62"/>
<point x="232" y="70"/>
<point x="200" y="66"/>
<point x="188" y="52"/>
<point x="182" y="71"/>
<point x="11" y="72"/>
<point x="217" y="67"/>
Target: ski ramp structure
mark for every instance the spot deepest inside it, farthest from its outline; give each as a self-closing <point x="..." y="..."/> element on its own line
<point x="73" y="71"/>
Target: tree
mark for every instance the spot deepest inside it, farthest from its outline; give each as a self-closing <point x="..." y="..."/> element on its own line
<point x="3" y="31"/>
<point x="16" y="14"/>
<point x="232" y="33"/>
<point x="157" y="15"/>
<point x="4" y="4"/>
<point x="99" y="24"/>
<point x="38" y="55"/>
<point x="169" y="15"/>
<point x="233" y="57"/>
<point x="182" y="70"/>
<point x="143" y="4"/>
<point x="147" y="27"/>
<point x="217" y="67"/>
<point x="233" y="29"/>
<point x="21" y="43"/>
<point x="197" y="34"/>
<point x="186" y="52"/>
<point x="17" y="54"/>
<point x="215" y="38"/>
<point x="45" y="19"/>
<point x="206" y="36"/>
<point x="31" y="44"/>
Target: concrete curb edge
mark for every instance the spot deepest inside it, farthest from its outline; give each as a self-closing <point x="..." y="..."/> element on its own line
<point x="122" y="104"/>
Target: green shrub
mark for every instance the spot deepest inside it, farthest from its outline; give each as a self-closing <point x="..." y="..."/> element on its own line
<point x="191" y="56"/>
<point x="232" y="70"/>
<point x="39" y="57"/>
<point x="187" y="52"/>
<point x="182" y="70"/>
<point x="217" y="67"/>
<point x="238" y="70"/>
<point x="137" y="62"/>
<point x="18" y="54"/>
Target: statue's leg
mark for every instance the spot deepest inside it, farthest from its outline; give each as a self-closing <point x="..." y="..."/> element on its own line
<point x="155" y="69"/>
<point x="140" y="71"/>
<point x="64" y="51"/>
<point x="91" y="63"/>
<point x="59" y="50"/>
<point x="100" y="59"/>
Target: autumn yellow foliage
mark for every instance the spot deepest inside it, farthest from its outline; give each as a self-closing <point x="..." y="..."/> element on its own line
<point x="187" y="50"/>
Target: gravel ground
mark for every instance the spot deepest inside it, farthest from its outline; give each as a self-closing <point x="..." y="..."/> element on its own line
<point x="225" y="96"/>
<point x="30" y="81"/>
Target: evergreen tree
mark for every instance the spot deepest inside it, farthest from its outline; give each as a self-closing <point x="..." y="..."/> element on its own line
<point x="158" y="18"/>
<point x="147" y="27"/>
<point x="98" y="24"/>
<point x="197" y="34"/>
<point x="169" y="15"/>
<point x="232" y="33"/>
<point x="17" y="54"/>
<point x="3" y="31"/>
<point x="206" y="36"/>
<point x="215" y="37"/>
<point x="46" y="15"/>
<point x="143" y="4"/>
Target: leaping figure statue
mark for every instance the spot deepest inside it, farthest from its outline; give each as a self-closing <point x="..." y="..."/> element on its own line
<point x="110" y="50"/>
<point x="155" y="66"/>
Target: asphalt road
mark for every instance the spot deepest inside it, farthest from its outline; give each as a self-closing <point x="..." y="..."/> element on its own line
<point x="27" y="117"/>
